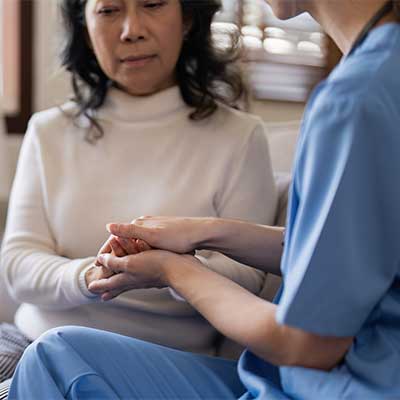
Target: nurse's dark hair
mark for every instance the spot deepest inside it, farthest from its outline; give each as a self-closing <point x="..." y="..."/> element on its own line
<point x="206" y="74"/>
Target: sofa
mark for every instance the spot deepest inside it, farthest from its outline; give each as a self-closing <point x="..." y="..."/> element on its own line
<point x="7" y="306"/>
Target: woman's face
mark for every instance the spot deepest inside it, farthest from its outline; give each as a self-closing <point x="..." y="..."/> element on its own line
<point x="136" y="42"/>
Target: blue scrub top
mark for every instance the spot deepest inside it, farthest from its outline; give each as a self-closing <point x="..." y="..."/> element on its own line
<point x="341" y="263"/>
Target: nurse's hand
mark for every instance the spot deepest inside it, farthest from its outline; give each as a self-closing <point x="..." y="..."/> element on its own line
<point x="116" y="247"/>
<point x="177" y="234"/>
<point x="149" y="269"/>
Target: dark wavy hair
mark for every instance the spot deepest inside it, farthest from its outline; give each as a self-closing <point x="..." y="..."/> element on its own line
<point x="206" y="75"/>
<point x="396" y="8"/>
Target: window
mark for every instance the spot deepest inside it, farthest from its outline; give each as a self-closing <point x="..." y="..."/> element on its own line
<point x="16" y="62"/>
<point x="284" y="59"/>
<point x="9" y="65"/>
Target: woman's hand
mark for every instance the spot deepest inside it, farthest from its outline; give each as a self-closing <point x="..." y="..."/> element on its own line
<point x="176" y="234"/>
<point x="96" y="273"/>
<point x="120" y="247"/>
<point x="144" y="270"/>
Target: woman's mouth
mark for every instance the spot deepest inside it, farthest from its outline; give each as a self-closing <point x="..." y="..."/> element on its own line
<point x="138" y="61"/>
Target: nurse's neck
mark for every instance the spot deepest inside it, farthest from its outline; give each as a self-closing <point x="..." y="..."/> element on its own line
<point x="343" y="20"/>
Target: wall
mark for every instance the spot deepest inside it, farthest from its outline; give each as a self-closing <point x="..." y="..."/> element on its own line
<point x="277" y="111"/>
<point x="51" y="85"/>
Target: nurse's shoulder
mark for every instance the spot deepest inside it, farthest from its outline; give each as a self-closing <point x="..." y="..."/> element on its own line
<point x="370" y="73"/>
<point x="357" y="101"/>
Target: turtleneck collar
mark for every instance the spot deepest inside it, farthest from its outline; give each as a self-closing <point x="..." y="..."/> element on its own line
<point x="122" y="106"/>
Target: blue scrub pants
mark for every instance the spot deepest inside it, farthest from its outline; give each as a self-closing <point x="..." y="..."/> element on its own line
<point x="81" y="363"/>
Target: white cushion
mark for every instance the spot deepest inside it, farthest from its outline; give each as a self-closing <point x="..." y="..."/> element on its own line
<point x="282" y="138"/>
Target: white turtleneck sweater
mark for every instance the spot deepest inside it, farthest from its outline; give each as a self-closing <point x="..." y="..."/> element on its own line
<point x="152" y="160"/>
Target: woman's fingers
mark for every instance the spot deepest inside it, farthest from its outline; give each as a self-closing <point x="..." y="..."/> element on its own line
<point x="115" y="264"/>
<point x="106" y="248"/>
<point x="104" y="273"/>
<point x="117" y="249"/>
<point x="142" y="245"/>
<point x="129" y="245"/>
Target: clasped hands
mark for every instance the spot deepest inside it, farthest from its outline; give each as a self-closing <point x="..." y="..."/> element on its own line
<point x="139" y="255"/>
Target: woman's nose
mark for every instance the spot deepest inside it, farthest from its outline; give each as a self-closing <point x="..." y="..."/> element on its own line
<point x="133" y="28"/>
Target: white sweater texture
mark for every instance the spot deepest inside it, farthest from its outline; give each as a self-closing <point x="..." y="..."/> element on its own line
<point x="152" y="160"/>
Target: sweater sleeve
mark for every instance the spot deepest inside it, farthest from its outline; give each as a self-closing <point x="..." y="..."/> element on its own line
<point x="33" y="271"/>
<point x="247" y="192"/>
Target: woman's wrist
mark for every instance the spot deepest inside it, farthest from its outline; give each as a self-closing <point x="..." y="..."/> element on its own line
<point x="85" y="278"/>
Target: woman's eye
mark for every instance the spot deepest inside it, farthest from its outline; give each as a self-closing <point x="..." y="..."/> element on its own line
<point x="154" y="4"/>
<point x="107" y="11"/>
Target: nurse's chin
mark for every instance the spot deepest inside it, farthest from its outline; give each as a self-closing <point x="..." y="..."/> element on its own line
<point x="285" y="9"/>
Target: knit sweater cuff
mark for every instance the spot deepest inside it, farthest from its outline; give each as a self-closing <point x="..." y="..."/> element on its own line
<point x="74" y="282"/>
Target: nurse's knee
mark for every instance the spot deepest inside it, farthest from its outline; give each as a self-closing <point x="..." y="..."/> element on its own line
<point x="62" y="333"/>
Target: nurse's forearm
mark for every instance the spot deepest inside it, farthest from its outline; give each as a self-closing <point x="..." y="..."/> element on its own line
<point x="259" y="246"/>
<point x="251" y="321"/>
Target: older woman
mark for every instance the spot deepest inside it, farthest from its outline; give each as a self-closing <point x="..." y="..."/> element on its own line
<point x="335" y="332"/>
<point x="151" y="118"/>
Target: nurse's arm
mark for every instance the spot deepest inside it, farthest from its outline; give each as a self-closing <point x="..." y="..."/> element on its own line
<point x="251" y="321"/>
<point x="235" y="312"/>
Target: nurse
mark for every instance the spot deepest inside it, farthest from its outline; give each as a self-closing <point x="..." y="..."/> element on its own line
<point x="335" y="331"/>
